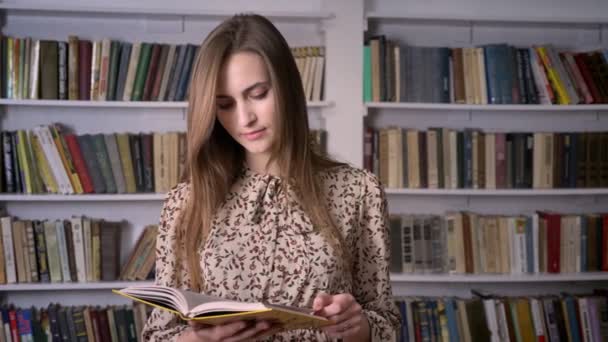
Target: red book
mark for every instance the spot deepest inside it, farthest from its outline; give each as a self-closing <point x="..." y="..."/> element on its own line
<point x="79" y="163"/>
<point x="95" y="320"/>
<point x="104" y="326"/>
<point x="582" y="66"/>
<point x="152" y="72"/>
<point x="84" y="69"/>
<point x="604" y="263"/>
<point x="12" y="318"/>
<point x="368" y="149"/>
<point x="501" y="161"/>
<point x="553" y="241"/>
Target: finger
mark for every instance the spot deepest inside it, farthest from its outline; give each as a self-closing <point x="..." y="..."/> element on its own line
<point x="346" y="328"/>
<point x="323" y="299"/>
<point x="255" y="329"/>
<point x="220" y="332"/>
<point x="354" y="310"/>
<point x="338" y="305"/>
<point x="275" y="328"/>
<point x="198" y="325"/>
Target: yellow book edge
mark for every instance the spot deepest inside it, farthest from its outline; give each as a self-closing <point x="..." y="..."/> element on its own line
<point x="306" y="321"/>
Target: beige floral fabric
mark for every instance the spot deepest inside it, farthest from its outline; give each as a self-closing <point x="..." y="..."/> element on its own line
<point x="262" y="246"/>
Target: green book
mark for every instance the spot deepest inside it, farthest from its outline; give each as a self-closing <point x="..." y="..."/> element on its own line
<point x="367" y="73"/>
<point x="142" y="71"/>
<point x="113" y="72"/>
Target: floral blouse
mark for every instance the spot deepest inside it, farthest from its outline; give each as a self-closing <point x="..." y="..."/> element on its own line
<point x="262" y="246"/>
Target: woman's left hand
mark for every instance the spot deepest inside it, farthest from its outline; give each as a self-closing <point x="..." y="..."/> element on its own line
<point x="346" y="313"/>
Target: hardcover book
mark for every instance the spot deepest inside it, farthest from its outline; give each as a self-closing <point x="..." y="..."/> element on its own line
<point x="214" y="310"/>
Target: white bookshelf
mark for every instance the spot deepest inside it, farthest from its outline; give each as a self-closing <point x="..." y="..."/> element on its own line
<point x="119" y="104"/>
<point x="498" y="278"/>
<point x="544" y="18"/>
<point x="302" y="24"/>
<point x="59" y="287"/>
<point x="464" y="23"/>
<point x="42" y="8"/>
<point x="499" y="192"/>
<point x="83" y="198"/>
<point x="487" y="108"/>
<point x="338" y="25"/>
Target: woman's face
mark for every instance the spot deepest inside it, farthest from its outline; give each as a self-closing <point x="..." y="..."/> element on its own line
<point x="245" y="103"/>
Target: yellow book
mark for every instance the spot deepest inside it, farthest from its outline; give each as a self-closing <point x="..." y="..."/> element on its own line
<point x="23" y="161"/>
<point x="215" y="310"/>
<point x="66" y="159"/>
<point x="43" y="165"/>
<point x="556" y="82"/>
<point x="524" y="320"/>
<point x="124" y="149"/>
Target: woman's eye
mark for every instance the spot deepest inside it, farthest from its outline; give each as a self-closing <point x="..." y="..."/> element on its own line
<point x="224" y="106"/>
<point x="260" y="95"/>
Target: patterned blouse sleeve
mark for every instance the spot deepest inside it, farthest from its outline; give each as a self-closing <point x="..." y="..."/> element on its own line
<point x="162" y="325"/>
<point x="372" y="287"/>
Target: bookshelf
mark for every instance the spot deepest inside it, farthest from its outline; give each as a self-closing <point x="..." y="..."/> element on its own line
<point x="186" y="22"/>
<point x="499" y="192"/>
<point x="119" y="104"/>
<point x="332" y="24"/>
<point x="72" y="286"/>
<point x="486" y="108"/>
<point x="565" y="24"/>
<point x="83" y="198"/>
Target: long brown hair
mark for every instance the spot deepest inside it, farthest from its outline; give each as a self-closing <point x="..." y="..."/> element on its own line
<point x="214" y="158"/>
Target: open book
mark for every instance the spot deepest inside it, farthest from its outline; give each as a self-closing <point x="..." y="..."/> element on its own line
<point x="214" y="310"/>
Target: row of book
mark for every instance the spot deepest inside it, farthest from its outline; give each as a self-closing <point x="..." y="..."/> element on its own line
<point x="311" y="65"/>
<point x="487" y="74"/>
<point x="112" y="70"/>
<point x="489" y="318"/>
<point x="78" y="249"/>
<point x="473" y="159"/>
<point x="49" y="160"/>
<point x="472" y="243"/>
<point x="102" y="70"/>
<point x="73" y="323"/>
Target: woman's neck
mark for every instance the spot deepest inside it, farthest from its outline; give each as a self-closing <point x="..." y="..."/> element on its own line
<point x="259" y="164"/>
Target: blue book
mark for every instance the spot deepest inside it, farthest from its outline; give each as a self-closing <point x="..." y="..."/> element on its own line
<point x="452" y="319"/>
<point x="184" y="80"/>
<point x="24" y="324"/>
<point x="404" y="328"/>
<point x="529" y="246"/>
<point x="468" y="158"/>
<point x="490" y="54"/>
<point x="584" y="238"/>
<point x="573" y="318"/>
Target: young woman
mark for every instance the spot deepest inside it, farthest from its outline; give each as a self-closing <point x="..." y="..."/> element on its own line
<point x="261" y="215"/>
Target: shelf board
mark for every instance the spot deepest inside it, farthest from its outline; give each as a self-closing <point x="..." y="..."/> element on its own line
<point x="498" y="278"/>
<point x="82" y="198"/>
<point x="487" y="107"/>
<point x="119" y="104"/>
<point x="48" y="7"/>
<point x="487" y="18"/>
<point x="71" y="286"/>
<point x="498" y="192"/>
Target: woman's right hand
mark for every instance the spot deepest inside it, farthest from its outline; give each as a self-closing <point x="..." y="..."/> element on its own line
<point x="230" y="332"/>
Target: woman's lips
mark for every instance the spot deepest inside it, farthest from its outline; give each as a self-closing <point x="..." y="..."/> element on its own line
<point x="254" y="135"/>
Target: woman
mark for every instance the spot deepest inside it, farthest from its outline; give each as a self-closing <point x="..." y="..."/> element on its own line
<point x="261" y="215"/>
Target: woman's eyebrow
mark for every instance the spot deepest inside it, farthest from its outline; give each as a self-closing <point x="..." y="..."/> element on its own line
<point x="246" y="90"/>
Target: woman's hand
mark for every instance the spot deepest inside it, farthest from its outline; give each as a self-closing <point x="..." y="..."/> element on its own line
<point x="230" y="332"/>
<point x="350" y="322"/>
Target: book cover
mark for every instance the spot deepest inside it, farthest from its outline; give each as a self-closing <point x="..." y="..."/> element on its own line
<point x="214" y="310"/>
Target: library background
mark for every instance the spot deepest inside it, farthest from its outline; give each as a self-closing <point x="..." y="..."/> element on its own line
<point x="487" y="121"/>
